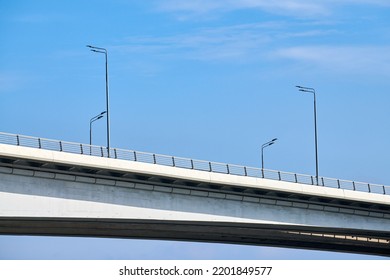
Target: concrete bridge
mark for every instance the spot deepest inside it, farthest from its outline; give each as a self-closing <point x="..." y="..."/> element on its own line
<point x="50" y="187"/>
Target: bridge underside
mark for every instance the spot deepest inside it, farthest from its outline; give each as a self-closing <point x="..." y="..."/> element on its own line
<point x="287" y="236"/>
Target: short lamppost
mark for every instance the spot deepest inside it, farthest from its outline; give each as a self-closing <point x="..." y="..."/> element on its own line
<point x="104" y="51"/>
<point x="95" y="118"/>
<point x="312" y="90"/>
<point x="269" y="143"/>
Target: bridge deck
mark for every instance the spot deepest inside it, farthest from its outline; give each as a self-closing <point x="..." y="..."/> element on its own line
<point x="200" y="165"/>
<point x="246" y="187"/>
<point x="164" y="179"/>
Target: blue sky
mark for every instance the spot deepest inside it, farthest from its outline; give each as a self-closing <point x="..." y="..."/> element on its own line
<point x="209" y="80"/>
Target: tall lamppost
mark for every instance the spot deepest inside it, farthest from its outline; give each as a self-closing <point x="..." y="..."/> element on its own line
<point x="269" y="143"/>
<point x="95" y="118"/>
<point x="104" y="51"/>
<point x="312" y="90"/>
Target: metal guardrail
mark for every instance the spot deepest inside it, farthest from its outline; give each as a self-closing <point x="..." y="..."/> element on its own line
<point x="91" y="150"/>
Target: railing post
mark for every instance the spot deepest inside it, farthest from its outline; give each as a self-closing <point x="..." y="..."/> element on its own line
<point x="116" y="156"/>
<point x="81" y="149"/>
<point x="322" y="180"/>
<point x="60" y="146"/>
<point x="227" y="168"/>
<point x="39" y="143"/>
<point x="296" y="177"/>
<point x="384" y="190"/>
<point x="135" y="156"/>
<point x="210" y="169"/>
<point x="192" y="164"/>
<point x="246" y="173"/>
<point x="369" y="188"/>
<point x="173" y="162"/>
<point x="154" y="158"/>
<point x="17" y="140"/>
<point x="353" y="184"/>
<point x="338" y="183"/>
<point x="312" y="182"/>
<point x="280" y="178"/>
<point x="262" y="173"/>
<point x="101" y="151"/>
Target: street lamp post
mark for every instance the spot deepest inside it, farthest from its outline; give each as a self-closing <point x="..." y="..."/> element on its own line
<point x="104" y="51"/>
<point x="269" y="143"/>
<point x="312" y="90"/>
<point x="95" y="118"/>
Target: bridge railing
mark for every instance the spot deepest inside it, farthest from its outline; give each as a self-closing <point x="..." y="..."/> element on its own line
<point x="92" y="150"/>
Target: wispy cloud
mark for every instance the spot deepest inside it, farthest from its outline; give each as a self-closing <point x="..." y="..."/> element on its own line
<point x="197" y="7"/>
<point x="313" y="41"/>
<point x="207" y="44"/>
<point x="296" y="8"/>
<point x="255" y="43"/>
<point x="11" y="82"/>
<point x="356" y="59"/>
<point x="229" y="43"/>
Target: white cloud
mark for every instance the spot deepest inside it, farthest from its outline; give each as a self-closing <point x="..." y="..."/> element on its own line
<point x="196" y="7"/>
<point x="243" y="42"/>
<point x="356" y="59"/>
<point x="252" y="44"/>
<point x="11" y="82"/>
<point x="224" y="43"/>
<point x="310" y="42"/>
<point x="296" y="8"/>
